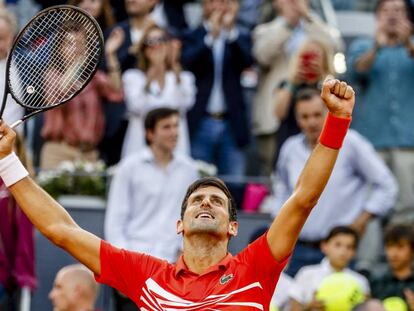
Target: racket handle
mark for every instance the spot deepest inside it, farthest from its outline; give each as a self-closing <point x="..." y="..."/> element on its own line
<point x="17" y="123"/>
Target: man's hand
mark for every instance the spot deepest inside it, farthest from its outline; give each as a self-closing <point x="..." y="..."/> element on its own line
<point x="114" y="41"/>
<point x="409" y="296"/>
<point x="315" y="305"/>
<point x="230" y="15"/>
<point x="7" y="138"/>
<point x="339" y="97"/>
<point x="361" y="222"/>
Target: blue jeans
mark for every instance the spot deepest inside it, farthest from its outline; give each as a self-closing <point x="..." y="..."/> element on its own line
<point x="214" y="143"/>
<point x="303" y="255"/>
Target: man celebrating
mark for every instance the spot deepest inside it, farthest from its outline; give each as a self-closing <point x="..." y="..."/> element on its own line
<point x="206" y="276"/>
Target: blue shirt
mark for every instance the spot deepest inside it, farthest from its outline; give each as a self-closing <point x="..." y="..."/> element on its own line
<point x="359" y="182"/>
<point x="385" y="107"/>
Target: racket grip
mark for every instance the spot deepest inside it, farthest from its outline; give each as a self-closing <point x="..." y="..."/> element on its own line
<point x="17" y="123"/>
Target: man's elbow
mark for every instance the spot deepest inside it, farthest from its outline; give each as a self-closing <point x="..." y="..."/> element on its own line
<point x="306" y="201"/>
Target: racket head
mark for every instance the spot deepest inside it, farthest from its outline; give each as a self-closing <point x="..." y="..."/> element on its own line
<point x="54" y="57"/>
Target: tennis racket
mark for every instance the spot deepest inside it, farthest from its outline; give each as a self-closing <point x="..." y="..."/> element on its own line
<point x="52" y="59"/>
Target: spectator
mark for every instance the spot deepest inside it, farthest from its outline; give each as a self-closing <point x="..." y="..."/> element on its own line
<point x="101" y="10"/>
<point x="17" y="262"/>
<point x="217" y="53"/>
<point x="133" y="28"/>
<point x="274" y="45"/>
<point x="74" y="130"/>
<point x="339" y="248"/>
<point x="159" y="82"/>
<point x="386" y="63"/>
<point x="130" y="32"/>
<point x="8" y="29"/>
<point x="308" y="68"/>
<point x="140" y="204"/>
<point x="74" y="289"/>
<point x="398" y="279"/>
<point x="367" y="187"/>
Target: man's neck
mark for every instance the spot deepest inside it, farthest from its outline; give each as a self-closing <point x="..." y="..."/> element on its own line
<point x="162" y="157"/>
<point x="403" y="273"/>
<point x="203" y="251"/>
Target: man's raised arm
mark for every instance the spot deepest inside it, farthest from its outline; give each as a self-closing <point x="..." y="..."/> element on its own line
<point x="50" y="218"/>
<point x="284" y="231"/>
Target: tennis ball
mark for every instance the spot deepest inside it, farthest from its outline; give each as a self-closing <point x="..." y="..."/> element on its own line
<point x="340" y="292"/>
<point x="395" y="304"/>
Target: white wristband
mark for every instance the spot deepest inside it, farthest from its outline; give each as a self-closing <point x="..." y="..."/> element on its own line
<point x="12" y="170"/>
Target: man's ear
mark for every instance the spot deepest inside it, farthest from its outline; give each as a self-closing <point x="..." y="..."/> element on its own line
<point x="180" y="226"/>
<point x="233" y="228"/>
<point x="324" y="246"/>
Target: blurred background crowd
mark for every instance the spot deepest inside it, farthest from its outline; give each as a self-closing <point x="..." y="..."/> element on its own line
<point x="231" y="88"/>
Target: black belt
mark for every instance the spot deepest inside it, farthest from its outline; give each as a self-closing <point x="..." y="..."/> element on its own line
<point x="217" y="115"/>
<point x="312" y="244"/>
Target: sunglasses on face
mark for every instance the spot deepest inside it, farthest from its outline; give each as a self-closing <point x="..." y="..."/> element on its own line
<point x="155" y="41"/>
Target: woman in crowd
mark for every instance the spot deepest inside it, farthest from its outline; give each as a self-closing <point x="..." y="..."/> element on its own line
<point x="74" y="130"/>
<point x="157" y="82"/>
<point x="308" y="68"/>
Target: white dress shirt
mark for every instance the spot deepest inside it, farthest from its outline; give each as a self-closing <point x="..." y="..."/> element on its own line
<point x="309" y="278"/>
<point x="144" y="204"/>
<point x="360" y="181"/>
<point x="180" y="96"/>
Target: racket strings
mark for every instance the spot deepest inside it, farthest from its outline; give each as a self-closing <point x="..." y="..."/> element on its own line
<point x="63" y="84"/>
<point x="62" y="44"/>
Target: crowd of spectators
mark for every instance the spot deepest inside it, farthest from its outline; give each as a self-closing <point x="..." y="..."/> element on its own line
<point x="173" y="87"/>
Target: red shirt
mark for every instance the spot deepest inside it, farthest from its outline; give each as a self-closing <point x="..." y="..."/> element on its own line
<point x="243" y="282"/>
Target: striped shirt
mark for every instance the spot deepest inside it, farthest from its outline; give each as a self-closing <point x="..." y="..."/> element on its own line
<point x="244" y="282"/>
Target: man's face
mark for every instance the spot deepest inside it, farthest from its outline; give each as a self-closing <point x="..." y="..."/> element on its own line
<point x="63" y="294"/>
<point x="165" y="133"/>
<point x="139" y="8"/>
<point x="390" y="14"/>
<point x="310" y="116"/>
<point x="207" y="212"/>
<point x="340" y="250"/>
<point x="399" y="254"/>
<point x="6" y="39"/>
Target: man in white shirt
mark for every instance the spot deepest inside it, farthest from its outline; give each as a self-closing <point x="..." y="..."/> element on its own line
<point x="147" y="188"/>
<point x="339" y="248"/>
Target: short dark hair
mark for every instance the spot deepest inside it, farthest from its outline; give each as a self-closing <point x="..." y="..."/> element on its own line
<point x="213" y="182"/>
<point x="396" y="233"/>
<point x="154" y="116"/>
<point x="307" y="94"/>
<point x="380" y="3"/>
<point x="343" y="230"/>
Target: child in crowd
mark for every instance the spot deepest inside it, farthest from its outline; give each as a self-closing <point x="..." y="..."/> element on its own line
<point x="398" y="279"/>
<point x="339" y="249"/>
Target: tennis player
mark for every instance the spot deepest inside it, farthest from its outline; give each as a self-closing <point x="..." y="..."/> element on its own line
<point x="206" y="277"/>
